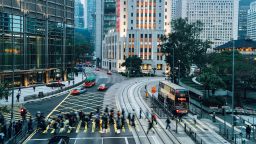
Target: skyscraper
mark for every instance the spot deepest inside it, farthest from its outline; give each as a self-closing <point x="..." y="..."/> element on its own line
<point x="79" y="14"/>
<point x="244" y="6"/>
<point x="139" y="27"/>
<point x="251" y="21"/>
<point x="109" y="19"/>
<point x="219" y="18"/>
<point x="37" y="39"/>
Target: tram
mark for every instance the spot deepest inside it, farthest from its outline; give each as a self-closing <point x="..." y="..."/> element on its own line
<point x="174" y="97"/>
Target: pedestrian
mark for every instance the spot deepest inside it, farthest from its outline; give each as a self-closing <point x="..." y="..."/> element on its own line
<point x="34" y="88"/>
<point x="18" y="97"/>
<point x="118" y="114"/>
<point x="73" y="82"/>
<point x="106" y="109"/>
<point x="30" y="124"/>
<point x="129" y="118"/>
<point x="150" y="126"/>
<point x="6" y="98"/>
<point x="248" y="131"/>
<point x="123" y="112"/>
<point x="123" y="121"/>
<point x="68" y="82"/>
<point x="2" y="138"/>
<point x="140" y="112"/>
<point x="154" y="118"/>
<point x="168" y="121"/>
<point x="19" y="91"/>
<point x="133" y="120"/>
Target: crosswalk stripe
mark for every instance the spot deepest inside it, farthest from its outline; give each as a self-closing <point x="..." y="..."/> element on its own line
<point x="93" y="127"/>
<point x="69" y="129"/>
<point x="53" y="130"/>
<point x="115" y="126"/>
<point x="123" y="129"/>
<point x="108" y="129"/>
<point x="101" y="125"/>
<point x="85" y="127"/>
<point x="61" y="130"/>
<point x="128" y="124"/>
<point x="137" y="125"/>
<point x="45" y="131"/>
<point x="78" y="126"/>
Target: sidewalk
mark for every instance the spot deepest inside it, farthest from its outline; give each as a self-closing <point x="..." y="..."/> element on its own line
<point x="28" y="91"/>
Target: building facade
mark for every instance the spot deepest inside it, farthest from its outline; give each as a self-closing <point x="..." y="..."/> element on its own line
<point x="219" y="18"/>
<point x="79" y="14"/>
<point x="109" y="21"/>
<point x="244" y="6"/>
<point x="37" y="40"/>
<point x="251" y="21"/>
<point x="141" y="23"/>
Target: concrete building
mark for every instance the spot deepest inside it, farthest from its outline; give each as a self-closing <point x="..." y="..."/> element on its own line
<point x="220" y="18"/>
<point x="251" y="21"/>
<point x="37" y="38"/>
<point x="140" y="24"/>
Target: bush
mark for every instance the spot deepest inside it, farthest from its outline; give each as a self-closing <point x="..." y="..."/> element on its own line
<point x="214" y="101"/>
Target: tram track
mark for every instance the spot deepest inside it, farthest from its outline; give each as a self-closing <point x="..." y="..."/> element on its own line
<point x="173" y="139"/>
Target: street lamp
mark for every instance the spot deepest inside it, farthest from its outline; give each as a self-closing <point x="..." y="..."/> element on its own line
<point x="233" y="85"/>
<point x="179" y="71"/>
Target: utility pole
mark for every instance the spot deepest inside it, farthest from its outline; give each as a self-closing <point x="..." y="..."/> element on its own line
<point x="233" y="85"/>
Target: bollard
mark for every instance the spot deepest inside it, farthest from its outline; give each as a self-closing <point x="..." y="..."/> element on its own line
<point x="185" y="127"/>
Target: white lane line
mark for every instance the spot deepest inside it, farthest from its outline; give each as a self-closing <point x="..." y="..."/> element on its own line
<point x="75" y="141"/>
<point x="126" y="140"/>
<point x="155" y="141"/>
<point x="101" y="140"/>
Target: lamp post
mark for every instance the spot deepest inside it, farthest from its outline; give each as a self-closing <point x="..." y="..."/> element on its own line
<point x="179" y="71"/>
<point x="233" y="85"/>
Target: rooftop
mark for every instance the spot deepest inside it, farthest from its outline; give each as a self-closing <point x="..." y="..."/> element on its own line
<point x="241" y="43"/>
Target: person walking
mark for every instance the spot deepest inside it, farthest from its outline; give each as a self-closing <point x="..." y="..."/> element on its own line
<point x="30" y="124"/>
<point x="34" y="88"/>
<point x="129" y="118"/>
<point x="248" y="131"/>
<point x="154" y="118"/>
<point x="150" y="126"/>
<point x="18" y="97"/>
<point x="133" y="120"/>
<point x="140" y="112"/>
<point x="168" y="122"/>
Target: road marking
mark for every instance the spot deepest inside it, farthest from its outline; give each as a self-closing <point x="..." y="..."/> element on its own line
<point x="78" y="126"/>
<point x="155" y="141"/>
<point x="93" y="127"/>
<point x="45" y="131"/>
<point x="85" y="127"/>
<point x="53" y="130"/>
<point x="126" y="141"/>
<point x="115" y="126"/>
<point x="128" y="124"/>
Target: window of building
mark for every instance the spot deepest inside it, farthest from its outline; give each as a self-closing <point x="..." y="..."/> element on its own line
<point x="145" y="50"/>
<point x="124" y="23"/>
<point x="149" y="50"/>
<point x="131" y="21"/>
<point x="159" y="14"/>
<point x="131" y="14"/>
<point x="149" y="57"/>
<point x="141" y="35"/>
<point x="124" y="16"/>
<point x="124" y="2"/>
<point x="150" y="35"/>
<point x="146" y="35"/>
<point x="131" y="28"/>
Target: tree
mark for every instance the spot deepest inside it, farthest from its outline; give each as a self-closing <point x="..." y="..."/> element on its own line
<point x="3" y="90"/>
<point x="244" y="71"/>
<point x="211" y="81"/>
<point x="133" y="65"/>
<point x="184" y="44"/>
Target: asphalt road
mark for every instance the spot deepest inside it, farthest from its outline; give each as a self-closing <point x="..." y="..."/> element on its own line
<point x="87" y="102"/>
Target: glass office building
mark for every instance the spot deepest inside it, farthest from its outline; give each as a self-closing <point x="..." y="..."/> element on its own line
<point x="37" y="37"/>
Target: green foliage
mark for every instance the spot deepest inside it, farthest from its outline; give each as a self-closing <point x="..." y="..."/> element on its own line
<point x="213" y="101"/>
<point x="133" y="65"/>
<point x="187" y="46"/>
<point x="3" y="90"/>
<point x="211" y="81"/>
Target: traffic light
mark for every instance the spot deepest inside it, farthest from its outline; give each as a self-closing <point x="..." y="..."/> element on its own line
<point x="23" y="112"/>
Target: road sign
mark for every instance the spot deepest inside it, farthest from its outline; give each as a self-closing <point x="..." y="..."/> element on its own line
<point x="153" y="89"/>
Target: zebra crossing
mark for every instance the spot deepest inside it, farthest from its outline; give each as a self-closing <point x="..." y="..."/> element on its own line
<point x="91" y="128"/>
<point x="16" y="114"/>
